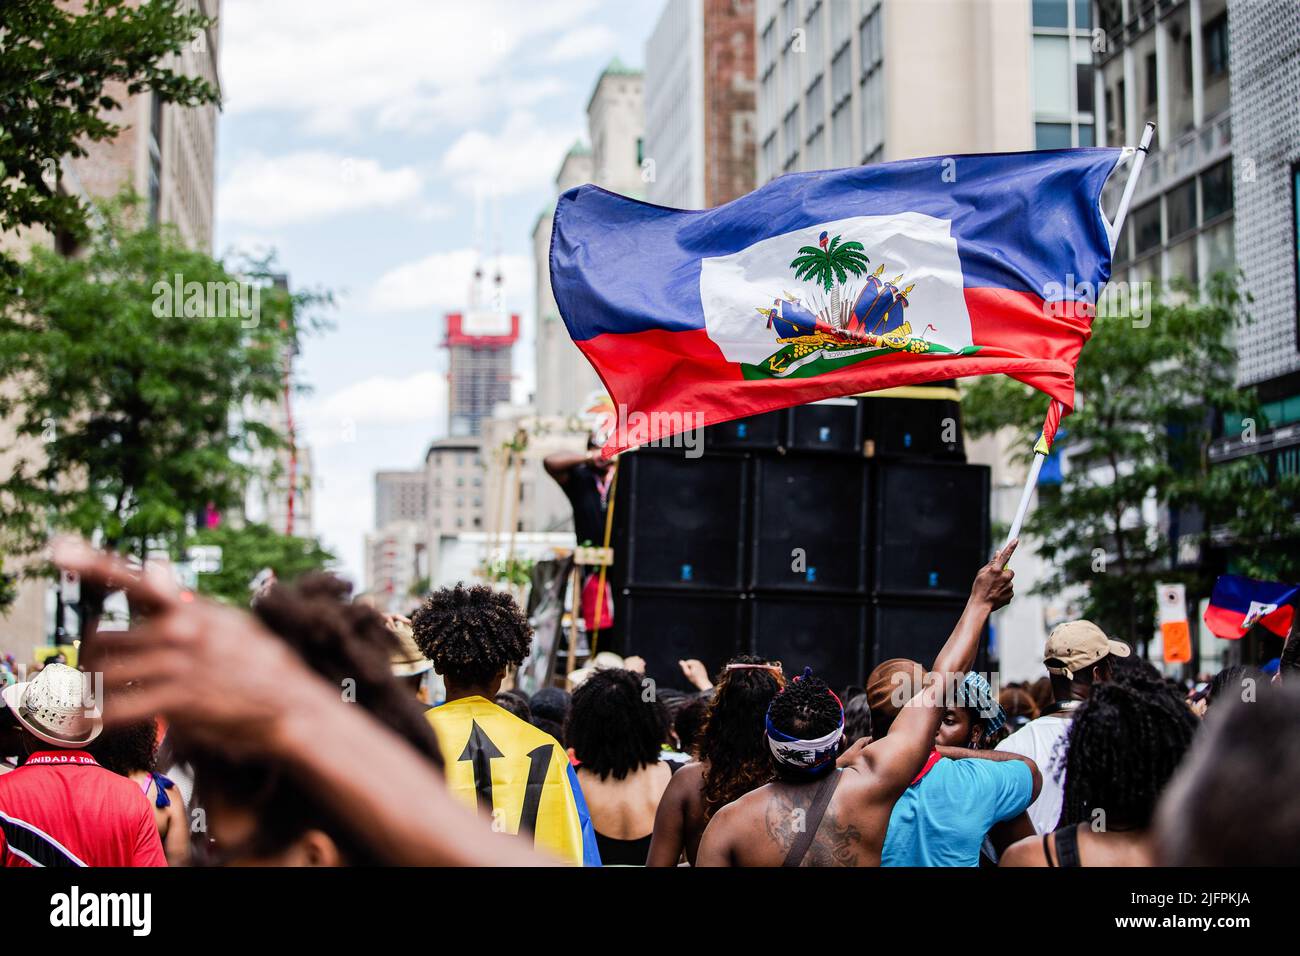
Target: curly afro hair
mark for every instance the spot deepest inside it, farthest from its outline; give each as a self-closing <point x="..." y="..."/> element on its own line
<point x="1125" y="742"/>
<point x="128" y="748"/>
<point x="473" y="635"/>
<point x="612" y="728"/>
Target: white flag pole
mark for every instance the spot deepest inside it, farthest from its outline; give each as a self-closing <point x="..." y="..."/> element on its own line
<point x="1055" y="409"/>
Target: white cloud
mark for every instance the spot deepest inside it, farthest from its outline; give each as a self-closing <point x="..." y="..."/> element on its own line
<point x="381" y="401"/>
<point x="382" y="421"/>
<point x="442" y="281"/>
<point x="521" y="157"/>
<point x="398" y="63"/>
<point x="589" y="41"/>
<point x="305" y="186"/>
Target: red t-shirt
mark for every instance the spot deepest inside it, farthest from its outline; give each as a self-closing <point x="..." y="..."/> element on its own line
<point x="61" y="808"/>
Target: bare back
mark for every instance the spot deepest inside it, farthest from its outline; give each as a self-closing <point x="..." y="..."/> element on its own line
<point x="760" y="828"/>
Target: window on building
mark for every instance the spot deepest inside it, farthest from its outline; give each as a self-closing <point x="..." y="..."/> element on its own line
<point x="770" y="163"/>
<point x="1052" y="75"/>
<point x="815" y="155"/>
<point x="1216" y="190"/>
<point x="813" y="26"/>
<point x="816" y="107"/>
<point x="1146" y="227"/>
<point x="1110" y="16"/>
<point x="1215" y="44"/>
<point x="1083" y="86"/>
<point x="1082" y="14"/>
<point x="1216" y="242"/>
<point x="873" y="115"/>
<point x="841" y="78"/>
<point x="1117" y="120"/>
<point x="1052" y="13"/>
<point x="1180" y="206"/>
<point x="787" y="20"/>
<point x="842" y="137"/>
<point x="1085" y="135"/>
<point x="1183" y="261"/>
<point x="869" y="47"/>
<point x="840" y="25"/>
<point x="1052" y="136"/>
<point x="1150" y="99"/>
<point x="790" y="131"/>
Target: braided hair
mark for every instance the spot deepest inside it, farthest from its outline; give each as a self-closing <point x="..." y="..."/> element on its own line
<point x="732" y="746"/>
<point x="1125" y="742"/>
<point x="806" y="709"/>
<point x="472" y="634"/>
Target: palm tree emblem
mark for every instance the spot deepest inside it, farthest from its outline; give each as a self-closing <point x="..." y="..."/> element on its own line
<point x="830" y="264"/>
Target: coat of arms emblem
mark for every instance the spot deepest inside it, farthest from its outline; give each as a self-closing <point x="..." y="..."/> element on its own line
<point x="843" y="315"/>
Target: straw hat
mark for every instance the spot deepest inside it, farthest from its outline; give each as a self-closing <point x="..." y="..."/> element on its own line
<point x="407" y="659"/>
<point x="52" y="707"/>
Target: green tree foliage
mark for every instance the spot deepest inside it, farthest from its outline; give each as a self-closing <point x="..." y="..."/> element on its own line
<point x="1150" y="398"/>
<point x="247" y="550"/>
<point x="125" y="371"/>
<point x="61" y="72"/>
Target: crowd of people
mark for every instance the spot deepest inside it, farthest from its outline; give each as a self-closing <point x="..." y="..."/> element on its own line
<point x="296" y="734"/>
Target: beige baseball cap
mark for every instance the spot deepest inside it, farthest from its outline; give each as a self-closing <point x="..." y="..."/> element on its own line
<point x="1074" y="645"/>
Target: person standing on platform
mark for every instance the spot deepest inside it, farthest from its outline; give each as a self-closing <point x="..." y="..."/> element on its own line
<point x="587" y="481"/>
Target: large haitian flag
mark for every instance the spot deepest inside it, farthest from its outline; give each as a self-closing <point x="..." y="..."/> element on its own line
<point x="830" y="283"/>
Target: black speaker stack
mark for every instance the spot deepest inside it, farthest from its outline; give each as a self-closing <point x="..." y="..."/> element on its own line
<point x="834" y="535"/>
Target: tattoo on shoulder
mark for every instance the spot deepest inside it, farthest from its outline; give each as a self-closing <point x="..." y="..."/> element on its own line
<point x="837" y="842"/>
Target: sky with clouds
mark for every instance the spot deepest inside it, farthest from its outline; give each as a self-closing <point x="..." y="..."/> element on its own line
<point x="369" y="143"/>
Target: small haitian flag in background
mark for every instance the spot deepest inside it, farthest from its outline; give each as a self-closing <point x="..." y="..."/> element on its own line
<point x="1238" y="604"/>
<point x="830" y="283"/>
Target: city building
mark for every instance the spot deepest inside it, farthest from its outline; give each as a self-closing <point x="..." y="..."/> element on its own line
<point x="615" y="129"/>
<point x="454" y="486"/>
<point x="1169" y="63"/>
<point x="166" y="154"/>
<point x="1264" y="193"/>
<point x="699" y="103"/>
<point x="396" y="562"/>
<point x="539" y="503"/>
<point x="1265" y="38"/>
<point x="846" y="82"/>
<point x="479" y="343"/>
<point x="1221" y="79"/>
<point x="400" y="496"/>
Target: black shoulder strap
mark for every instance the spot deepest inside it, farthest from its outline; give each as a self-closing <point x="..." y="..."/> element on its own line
<point x="1067" y="846"/>
<point x="822" y="800"/>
